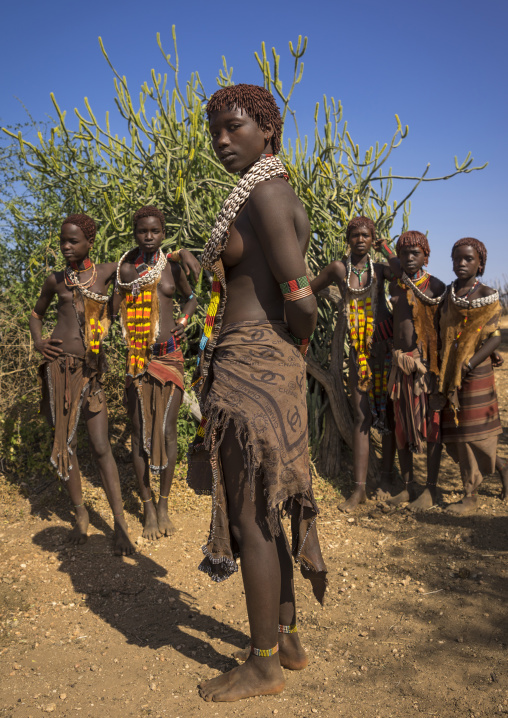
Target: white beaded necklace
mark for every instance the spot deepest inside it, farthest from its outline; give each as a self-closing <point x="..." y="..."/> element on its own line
<point x="360" y="290"/>
<point x="153" y="274"/>
<point x="418" y="292"/>
<point x="472" y="303"/>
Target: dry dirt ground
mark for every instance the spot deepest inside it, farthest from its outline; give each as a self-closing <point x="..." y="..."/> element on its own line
<point x="414" y="624"/>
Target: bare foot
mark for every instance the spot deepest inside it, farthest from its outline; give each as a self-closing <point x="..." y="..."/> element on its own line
<point x="386" y="486"/>
<point x="166" y="526"/>
<point x="357" y="497"/>
<point x="291" y="652"/>
<point x="78" y="535"/>
<point x="122" y="545"/>
<point x="467" y="505"/>
<point x="256" y="677"/>
<point x="402" y="498"/>
<point x="150" y="525"/>
<point x="382" y="494"/>
<point x="425" y="501"/>
<point x="503" y="473"/>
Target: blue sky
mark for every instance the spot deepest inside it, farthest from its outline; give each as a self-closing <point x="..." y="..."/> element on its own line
<point x="441" y="66"/>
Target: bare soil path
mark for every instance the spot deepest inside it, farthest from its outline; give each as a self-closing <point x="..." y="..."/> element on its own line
<point x="415" y="622"/>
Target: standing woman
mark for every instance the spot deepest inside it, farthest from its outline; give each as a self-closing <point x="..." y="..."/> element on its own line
<point x="251" y="451"/>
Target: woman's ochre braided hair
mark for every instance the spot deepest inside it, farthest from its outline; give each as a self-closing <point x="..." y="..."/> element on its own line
<point x="361" y="222"/>
<point x="478" y="246"/>
<point x="257" y="102"/>
<point x="413" y="239"/>
<point x="84" y="222"/>
<point x="149" y="211"/>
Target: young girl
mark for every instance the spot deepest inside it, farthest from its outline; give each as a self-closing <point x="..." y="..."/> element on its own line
<point x="362" y="285"/>
<point x="251" y="385"/>
<point x="71" y="374"/>
<point x="469" y="329"/>
<point x="146" y="287"/>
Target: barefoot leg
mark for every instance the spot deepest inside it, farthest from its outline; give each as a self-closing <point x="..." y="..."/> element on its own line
<point x="502" y="469"/>
<point x="164" y="523"/>
<point x="140" y="461"/>
<point x="471" y="478"/>
<point x="386" y="485"/>
<point x="406" y="469"/>
<point x="361" y="439"/>
<point x="428" y="497"/>
<point x="291" y="652"/>
<point x="78" y="535"/>
<point x="261" y="574"/>
<point x="98" y="433"/>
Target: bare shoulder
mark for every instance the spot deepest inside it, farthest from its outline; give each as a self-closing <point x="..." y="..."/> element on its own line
<point x="53" y="280"/>
<point x="127" y="269"/>
<point x="436" y="286"/>
<point x="485" y="291"/>
<point x="107" y="269"/>
<point x="273" y="192"/>
<point x="337" y="269"/>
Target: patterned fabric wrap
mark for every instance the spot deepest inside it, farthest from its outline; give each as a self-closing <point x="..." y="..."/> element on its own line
<point x="259" y="385"/>
<point x="65" y="383"/>
<point x="477" y="416"/>
<point x="160" y="349"/>
<point x="475" y="459"/>
<point x="410" y="386"/>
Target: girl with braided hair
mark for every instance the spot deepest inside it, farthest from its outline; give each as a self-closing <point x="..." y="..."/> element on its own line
<point x="370" y="327"/>
<point x="412" y="386"/>
<point x="469" y="328"/>
<point x="251" y="451"/>
<point x="73" y="367"/>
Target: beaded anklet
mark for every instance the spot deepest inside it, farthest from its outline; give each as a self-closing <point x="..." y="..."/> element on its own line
<point x="265" y="652"/>
<point x="78" y="506"/>
<point x="145" y="501"/>
<point x="296" y="289"/>
<point x="37" y="316"/>
<point x="163" y="497"/>
<point x="288" y="629"/>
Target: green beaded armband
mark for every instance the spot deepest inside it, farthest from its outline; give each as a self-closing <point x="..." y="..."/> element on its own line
<point x="296" y="289"/>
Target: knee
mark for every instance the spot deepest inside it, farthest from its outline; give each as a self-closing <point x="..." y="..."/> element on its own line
<point x="101" y="448"/>
<point x="249" y="533"/>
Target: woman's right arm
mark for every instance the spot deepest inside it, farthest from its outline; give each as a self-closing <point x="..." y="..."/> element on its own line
<point x="49" y="348"/>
